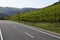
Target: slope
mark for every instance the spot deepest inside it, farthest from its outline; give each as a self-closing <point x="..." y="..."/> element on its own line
<point x="47" y="18"/>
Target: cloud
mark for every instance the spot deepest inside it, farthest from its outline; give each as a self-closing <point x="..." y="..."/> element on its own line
<point x="26" y="3"/>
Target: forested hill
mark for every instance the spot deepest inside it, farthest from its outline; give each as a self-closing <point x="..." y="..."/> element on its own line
<point x="47" y="14"/>
<point x="47" y="18"/>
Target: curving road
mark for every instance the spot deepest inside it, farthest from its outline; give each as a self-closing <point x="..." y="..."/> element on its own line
<point x="16" y="31"/>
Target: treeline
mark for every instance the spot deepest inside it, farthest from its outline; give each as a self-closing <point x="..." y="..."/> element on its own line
<point x="48" y="14"/>
<point x="42" y="18"/>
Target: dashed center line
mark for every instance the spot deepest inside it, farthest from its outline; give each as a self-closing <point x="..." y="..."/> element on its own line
<point x="29" y="35"/>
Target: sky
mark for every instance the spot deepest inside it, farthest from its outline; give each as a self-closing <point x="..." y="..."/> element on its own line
<point x="26" y="3"/>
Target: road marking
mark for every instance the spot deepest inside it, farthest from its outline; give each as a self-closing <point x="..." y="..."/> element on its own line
<point x="44" y="32"/>
<point x="1" y="35"/>
<point x="36" y="29"/>
<point x="40" y="31"/>
<point x="48" y="34"/>
<point x="29" y="35"/>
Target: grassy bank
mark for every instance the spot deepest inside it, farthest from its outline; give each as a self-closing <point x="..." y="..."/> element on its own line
<point x="54" y="27"/>
<point x="47" y="18"/>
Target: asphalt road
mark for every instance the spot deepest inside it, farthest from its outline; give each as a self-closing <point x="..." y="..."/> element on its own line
<point x="16" y="31"/>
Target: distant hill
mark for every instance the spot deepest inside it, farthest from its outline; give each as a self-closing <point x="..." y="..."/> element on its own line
<point x="47" y="18"/>
<point x="12" y="11"/>
<point x="9" y="11"/>
<point x="47" y="14"/>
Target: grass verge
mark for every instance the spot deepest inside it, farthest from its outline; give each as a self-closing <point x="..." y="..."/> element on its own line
<point x="54" y="27"/>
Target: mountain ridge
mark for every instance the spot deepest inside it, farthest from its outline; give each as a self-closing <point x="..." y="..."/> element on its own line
<point x="11" y="11"/>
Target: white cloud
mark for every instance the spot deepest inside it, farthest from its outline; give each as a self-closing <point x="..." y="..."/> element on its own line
<point x="26" y="3"/>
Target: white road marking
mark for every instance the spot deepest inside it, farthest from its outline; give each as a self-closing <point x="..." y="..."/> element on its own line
<point x="40" y="31"/>
<point x="35" y="29"/>
<point x="44" y="32"/>
<point x="48" y="34"/>
<point x="1" y="35"/>
<point x="29" y="35"/>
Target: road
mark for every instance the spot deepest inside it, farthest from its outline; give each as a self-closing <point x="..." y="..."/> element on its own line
<point x="15" y="31"/>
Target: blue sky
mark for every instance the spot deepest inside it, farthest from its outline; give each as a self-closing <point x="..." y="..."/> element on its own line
<point x="26" y="3"/>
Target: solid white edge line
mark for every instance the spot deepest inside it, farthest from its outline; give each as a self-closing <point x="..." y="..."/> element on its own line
<point x="30" y="26"/>
<point x="36" y="29"/>
<point x="1" y="35"/>
<point x="39" y="30"/>
<point x="29" y="35"/>
<point x="47" y="33"/>
<point x="44" y="32"/>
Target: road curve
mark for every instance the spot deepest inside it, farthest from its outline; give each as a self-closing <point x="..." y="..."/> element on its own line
<point x="15" y="31"/>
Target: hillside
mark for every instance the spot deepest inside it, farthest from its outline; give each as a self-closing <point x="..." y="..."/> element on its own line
<point x="47" y="18"/>
<point x="48" y="14"/>
<point x="9" y="11"/>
